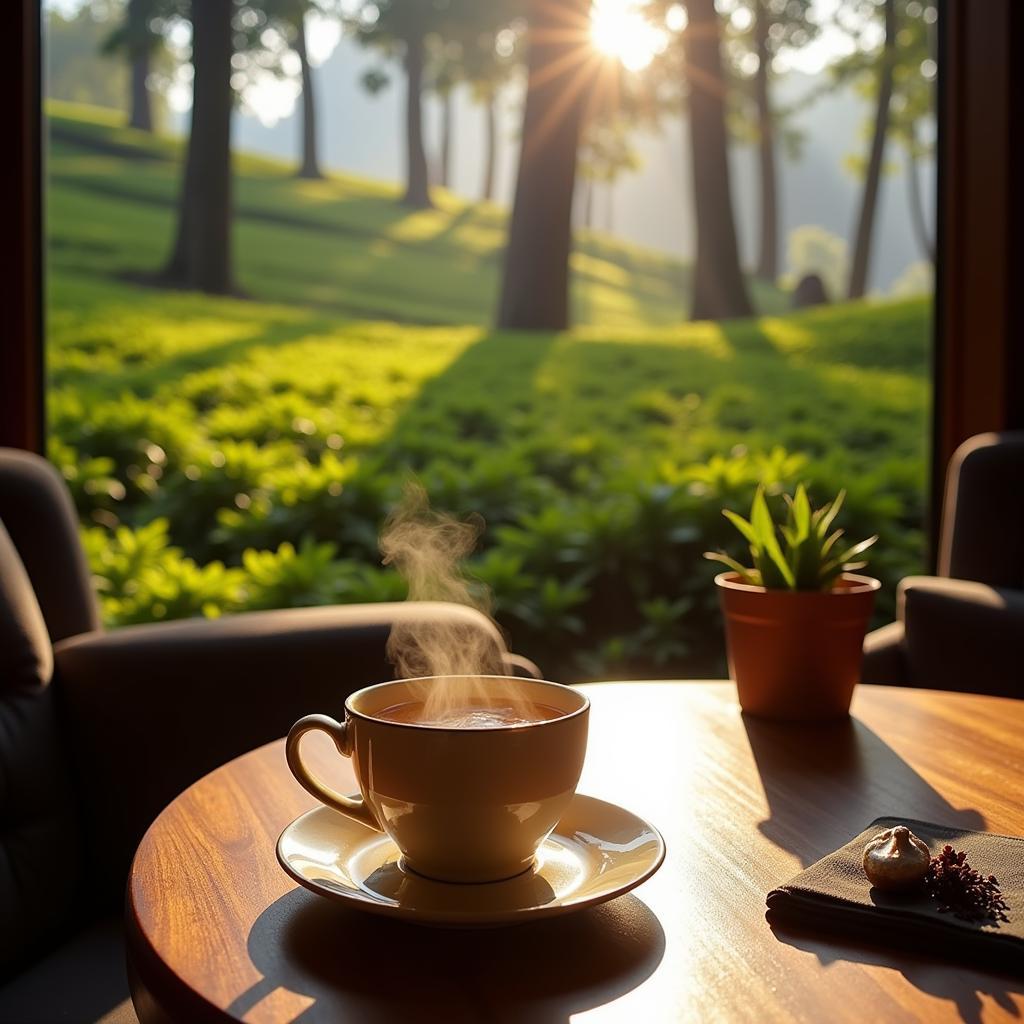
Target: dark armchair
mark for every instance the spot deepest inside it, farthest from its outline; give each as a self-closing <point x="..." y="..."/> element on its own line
<point x="964" y="629"/>
<point x="99" y="730"/>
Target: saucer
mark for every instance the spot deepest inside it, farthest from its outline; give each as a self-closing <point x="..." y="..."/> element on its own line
<point x="597" y="851"/>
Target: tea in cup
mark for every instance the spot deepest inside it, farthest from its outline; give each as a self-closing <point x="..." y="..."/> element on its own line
<point x="468" y="775"/>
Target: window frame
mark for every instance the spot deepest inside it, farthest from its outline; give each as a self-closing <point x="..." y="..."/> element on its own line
<point x="978" y="320"/>
<point x="22" y="375"/>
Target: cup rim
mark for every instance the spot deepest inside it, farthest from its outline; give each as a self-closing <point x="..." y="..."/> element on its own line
<point x="350" y="710"/>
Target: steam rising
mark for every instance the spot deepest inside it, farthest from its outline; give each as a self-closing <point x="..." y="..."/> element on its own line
<point x="429" y="548"/>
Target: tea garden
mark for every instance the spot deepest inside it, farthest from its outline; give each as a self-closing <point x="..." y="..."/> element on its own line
<point x="230" y="454"/>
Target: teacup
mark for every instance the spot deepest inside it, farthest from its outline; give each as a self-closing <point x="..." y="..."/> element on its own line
<point x="462" y="803"/>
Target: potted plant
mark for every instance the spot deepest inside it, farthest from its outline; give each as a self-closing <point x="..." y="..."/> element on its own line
<point x="795" y="621"/>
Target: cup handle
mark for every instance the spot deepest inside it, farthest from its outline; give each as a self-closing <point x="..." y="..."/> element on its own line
<point x="339" y="732"/>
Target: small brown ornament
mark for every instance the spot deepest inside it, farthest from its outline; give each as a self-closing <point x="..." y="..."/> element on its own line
<point x="896" y="859"/>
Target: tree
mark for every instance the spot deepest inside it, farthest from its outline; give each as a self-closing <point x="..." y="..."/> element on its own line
<point x="310" y="165"/>
<point x="402" y="27"/>
<point x="869" y="197"/>
<point x="491" y="53"/>
<point x="417" y="187"/>
<point x="914" y="150"/>
<point x="201" y="255"/>
<point x="897" y="77"/>
<point x="768" y="244"/>
<point x="561" y="71"/>
<point x="139" y="46"/>
<point x="444" y="77"/>
<point x="489" y="101"/>
<point x="760" y="31"/>
<point x="913" y="102"/>
<point x="265" y="32"/>
<point x="719" y="290"/>
<point x="139" y="37"/>
<point x="604" y="155"/>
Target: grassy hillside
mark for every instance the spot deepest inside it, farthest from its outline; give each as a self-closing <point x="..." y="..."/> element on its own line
<point x="343" y="244"/>
<point x="230" y="453"/>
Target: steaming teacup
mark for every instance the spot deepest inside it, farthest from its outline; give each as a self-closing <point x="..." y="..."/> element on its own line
<point x="466" y="797"/>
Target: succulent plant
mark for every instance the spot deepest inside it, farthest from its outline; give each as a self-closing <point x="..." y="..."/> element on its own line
<point x="799" y="554"/>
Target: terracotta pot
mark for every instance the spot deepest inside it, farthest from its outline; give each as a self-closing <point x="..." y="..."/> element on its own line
<point x="796" y="655"/>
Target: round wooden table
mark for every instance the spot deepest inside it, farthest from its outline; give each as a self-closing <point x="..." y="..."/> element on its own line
<point x="218" y="932"/>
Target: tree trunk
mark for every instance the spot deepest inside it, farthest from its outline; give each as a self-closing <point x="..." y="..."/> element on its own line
<point x="719" y="290"/>
<point x="310" y="163"/>
<point x="535" y="285"/>
<point x="588" y="205"/>
<point x="444" y="171"/>
<point x="917" y="216"/>
<point x="140" y="110"/>
<point x="768" y="255"/>
<point x="609" y="207"/>
<point x="490" y="145"/>
<point x="201" y="255"/>
<point x="417" y="187"/>
<point x="869" y="201"/>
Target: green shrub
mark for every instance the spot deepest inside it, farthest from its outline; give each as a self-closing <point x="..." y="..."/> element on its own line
<point x="223" y="475"/>
<point x="142" y="578"/>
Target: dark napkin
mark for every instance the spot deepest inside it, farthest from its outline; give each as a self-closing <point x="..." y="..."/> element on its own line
<point x="835" y="896"/>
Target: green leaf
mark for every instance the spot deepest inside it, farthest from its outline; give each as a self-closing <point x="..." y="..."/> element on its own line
<point x="856" y="549"/>
<point x="764" y="526"/>
<point x="802" y="512"/>
<point x="747" y="575"/>
<point x="741" y="524"/>
<point x="827" y="546"/>
<point x="761" y="519"/>
<point x="829" y="513"/>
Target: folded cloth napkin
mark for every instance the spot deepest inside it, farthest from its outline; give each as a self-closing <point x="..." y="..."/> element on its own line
<point x="834" y="895"/>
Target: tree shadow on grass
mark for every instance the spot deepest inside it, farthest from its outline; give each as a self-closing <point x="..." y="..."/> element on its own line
<point x="385" y="212"/>
<point x="747" y="337"/>
<point x="480" y="391"/>
<point x="455" y="222"/>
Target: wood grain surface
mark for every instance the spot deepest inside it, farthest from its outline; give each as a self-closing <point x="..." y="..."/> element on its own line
<point x="218" y="932"/>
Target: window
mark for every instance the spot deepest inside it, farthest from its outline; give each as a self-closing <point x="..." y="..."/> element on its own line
<point x="245" y="361"/>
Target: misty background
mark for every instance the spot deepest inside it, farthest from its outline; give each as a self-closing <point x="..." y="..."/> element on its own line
<point x="361" y="133"/>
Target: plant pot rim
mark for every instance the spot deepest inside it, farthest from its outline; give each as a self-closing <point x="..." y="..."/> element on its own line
<point x="859" y="585"/>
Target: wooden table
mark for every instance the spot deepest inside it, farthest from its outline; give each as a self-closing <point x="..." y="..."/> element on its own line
<point x="218" y="932"/>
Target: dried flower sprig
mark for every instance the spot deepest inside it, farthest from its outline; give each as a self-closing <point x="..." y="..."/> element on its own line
<point x="962" y="891"/>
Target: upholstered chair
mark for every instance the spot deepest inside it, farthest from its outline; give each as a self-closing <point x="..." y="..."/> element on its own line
<point x="964" y="628"/>
<point x="101" y="729"/>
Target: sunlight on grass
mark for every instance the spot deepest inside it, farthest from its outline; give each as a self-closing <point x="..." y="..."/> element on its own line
<point x="600" y="270"/>
<point x="300" y="242"/>
<point x="482" y="235"/>
<point x="421" y="226"/>
<point x="788" y="337"/>
<point x="242" y="453"/>
<point x="704" y="336"/>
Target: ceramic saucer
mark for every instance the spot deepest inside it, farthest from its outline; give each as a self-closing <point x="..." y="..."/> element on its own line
<point x="597" y="851"/>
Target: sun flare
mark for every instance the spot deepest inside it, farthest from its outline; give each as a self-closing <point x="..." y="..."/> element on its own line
<point x="619" y="29"/>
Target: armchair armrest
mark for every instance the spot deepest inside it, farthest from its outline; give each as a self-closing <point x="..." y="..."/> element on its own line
<point x="153" y="708"/>
<point x="885" y="659"/>
<point x="961" y="635"/>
